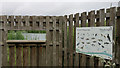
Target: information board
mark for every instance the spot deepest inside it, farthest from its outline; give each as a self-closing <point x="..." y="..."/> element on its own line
<point x="95" y="41"/>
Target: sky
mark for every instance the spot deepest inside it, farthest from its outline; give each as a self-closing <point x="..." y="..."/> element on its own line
<point x="52" y="7"/>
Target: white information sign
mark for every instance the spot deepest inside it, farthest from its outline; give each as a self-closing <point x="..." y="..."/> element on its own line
<point x="95" y="41"/>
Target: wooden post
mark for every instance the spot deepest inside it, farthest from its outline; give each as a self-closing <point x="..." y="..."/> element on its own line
<point x="1" y="41"/>
<point x="4" y="50"/>
<point x="48" y="41"/>
<point x="54" y="41"/>
<point x="91" y="22"/>
<point x="83" y="24"/>
<point x="25" y="47"/>
<point x="110" y="21"/>
<point x="33" y="49"/>
<point x="18" y="48"/>
<point x="60" y="39"/>
<point x="76" y="24"/>
<point x="65" y="40"/>
<point x="71" y="40"/>
<point x="118" y="37"/>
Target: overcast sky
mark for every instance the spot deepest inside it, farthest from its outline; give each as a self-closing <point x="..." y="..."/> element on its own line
<point x="52" y="7"/>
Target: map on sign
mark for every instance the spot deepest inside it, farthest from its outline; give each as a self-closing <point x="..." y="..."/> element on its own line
<point x="95" y="41"/>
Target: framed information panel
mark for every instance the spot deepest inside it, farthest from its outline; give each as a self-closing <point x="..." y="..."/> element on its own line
<point x="95" y="41"/>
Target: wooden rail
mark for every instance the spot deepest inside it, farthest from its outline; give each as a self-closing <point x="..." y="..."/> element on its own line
<point x="26" y="41"/>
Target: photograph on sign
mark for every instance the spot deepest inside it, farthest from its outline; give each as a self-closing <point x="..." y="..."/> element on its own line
<point x="95" y="41"/>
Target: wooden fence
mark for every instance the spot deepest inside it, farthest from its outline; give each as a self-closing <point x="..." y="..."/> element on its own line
<point x="59" y="47"/>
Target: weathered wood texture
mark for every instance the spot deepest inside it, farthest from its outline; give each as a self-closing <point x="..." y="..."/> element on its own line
<point x="65" y="40"/>
<point x="1" y="40"/>
<point x="12" y="55"/>
<point x="83" y="24"/>
<point x="118" y="37"/>
<point x="76" y="57"/>
<point x="19" y="55"/>
<point x="59" y="49"/>
<point x="91" y="23"/>
<point x="60" y="41"/>
<point x="70" y="50"/>
<point x="33" y="56"/>
<point x="4" y="38"/>
<point x="100" y="21"/>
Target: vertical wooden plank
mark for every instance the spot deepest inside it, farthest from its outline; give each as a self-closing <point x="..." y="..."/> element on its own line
<point x="96" y="62"/>
<point x="48" y="39"/>
<point x="87" y="61"/>
<point x="44" y="22"/>
<point x="30" y="22"/>
<point x="58" y="57"/>
<point x="4" y="49"/>
<point x="51" y="56"/>
<point x="113" y="23"/>
<point x="100" y="63"/>
<point x="1" y="55"/>
<point x="44" y="55"/>
<point x="12" y="55"/>
<point x="83" y="60"/>
<point x="54" y="41"/>
<point x="91" y="19"/>
<point x="107" y="18"/>
<point x="1" y="40"/>
<point x="41" y="22"/>
<point x="83" y="19"/>
<point x="91" y="22"/>
<point x="76" y="24"/>
<point x="100" y="22"/>
<point x="33" y="22"/>
<point x="40" y="52"/>
<point x="60" y="39"/>
<point x="71" y="40"/>
<point x="25" y="55"/>
<point x="19" y="55"/>
<point x="65" y="40"/>
<point x="26" y="48"/>
<point x="11" y="21"/>
<point x="118" y="37"/>
<point x="18" y="22"/>
<point x="27" y="25"/>
<point x="83" y="24"/>
<point x="33" y="55"/>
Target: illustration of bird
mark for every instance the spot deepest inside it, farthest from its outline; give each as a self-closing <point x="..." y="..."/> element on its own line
<point x="108" y="37"/>
<point x="82" y="37"/>
<point x="78" y="44"/>
<point x="106" y="43"/>
<point x="93" y="38"/>
<point x="94" y="41"/>
<point x="99" y="43"/>
<point x="93" y="44"/>
<point x="82" y="42"/>
<point x="101" y="34"/>
<point x="82" y="47"/>
<point x="102" y="46"/>
<point x="95" y="34"/>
